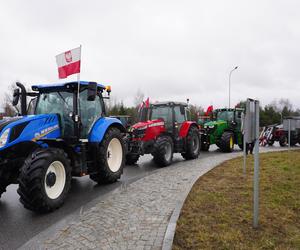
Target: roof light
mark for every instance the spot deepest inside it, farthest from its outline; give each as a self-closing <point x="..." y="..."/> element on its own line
<point x="108" y="89"/>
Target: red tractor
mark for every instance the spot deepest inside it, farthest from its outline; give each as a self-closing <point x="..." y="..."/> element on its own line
<point x="164" y="129"/>
<point x="273" y="133"/>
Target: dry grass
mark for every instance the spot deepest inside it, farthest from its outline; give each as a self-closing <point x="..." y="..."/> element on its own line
<point x="218" y="211"/>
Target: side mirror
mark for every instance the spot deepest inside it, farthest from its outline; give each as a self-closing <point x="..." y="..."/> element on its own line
<point x="92" y="91"/>
<point x="16" y="97"/>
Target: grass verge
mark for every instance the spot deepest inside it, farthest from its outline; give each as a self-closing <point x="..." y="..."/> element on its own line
<point x="217" y="213"/>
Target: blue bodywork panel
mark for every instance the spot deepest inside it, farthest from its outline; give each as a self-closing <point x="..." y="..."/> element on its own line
<point x="100" y="127"/>
<point x="45" y="126"/>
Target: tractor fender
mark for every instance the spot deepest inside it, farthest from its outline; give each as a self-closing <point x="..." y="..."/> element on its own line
<point x="101" y="126"/>
<point x="185" y="127"/>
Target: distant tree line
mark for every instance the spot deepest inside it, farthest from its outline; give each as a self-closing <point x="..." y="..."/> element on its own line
<point x="272" y="113"/>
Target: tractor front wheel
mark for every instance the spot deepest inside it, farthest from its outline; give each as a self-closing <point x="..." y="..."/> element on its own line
<point x="163" y="151"/>
<point x="132" y="159"/>
<point x="111" y="158"/>
<point x="192" y="144"/>
<point x="45" y="180"/>
<point x="3" y="183"/>
<point x="227" y="142"/>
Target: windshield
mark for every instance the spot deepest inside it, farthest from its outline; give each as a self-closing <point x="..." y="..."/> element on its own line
<point x="54" y="103"/>
<point x="225" y="115"/>
<point x="162" y="113"/>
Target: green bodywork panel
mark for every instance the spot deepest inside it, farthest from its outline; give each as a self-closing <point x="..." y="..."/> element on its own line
<point x="225" y="120"/>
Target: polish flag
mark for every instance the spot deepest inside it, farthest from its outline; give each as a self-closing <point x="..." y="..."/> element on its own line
<point x="209" y="110"/>
<point x="147" y="103"/>
<point x="68" y="62"/>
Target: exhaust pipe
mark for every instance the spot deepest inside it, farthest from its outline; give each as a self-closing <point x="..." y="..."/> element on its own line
<point x="23" y="98"/>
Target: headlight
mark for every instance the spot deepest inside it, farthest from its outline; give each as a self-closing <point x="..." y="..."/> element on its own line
<point x="4" y="137"/>
<point x="211" y="126"/>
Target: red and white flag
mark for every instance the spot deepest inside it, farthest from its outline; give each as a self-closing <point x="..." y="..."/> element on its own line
<point x="69" y="62"/>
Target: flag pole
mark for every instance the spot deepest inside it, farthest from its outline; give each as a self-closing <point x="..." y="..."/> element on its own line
<point x="78" y="105"/>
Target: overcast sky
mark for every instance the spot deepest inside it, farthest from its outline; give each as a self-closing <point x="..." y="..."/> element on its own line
<point x="170" y="50"/>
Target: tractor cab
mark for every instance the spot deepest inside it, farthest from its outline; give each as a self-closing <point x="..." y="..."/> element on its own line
<point x="77" y="113"/>
<point x="233" y="117"/>
<point x="61" y="99"/>
<point x="169" y="115"/>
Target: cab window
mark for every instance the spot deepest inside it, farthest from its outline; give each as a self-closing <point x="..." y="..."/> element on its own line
<point x="90" y="111"/>
<point x="179" y="114"/>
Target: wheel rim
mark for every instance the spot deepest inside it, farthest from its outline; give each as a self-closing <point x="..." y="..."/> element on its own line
<point x="231" y="142"/>
<point x="55" y="179"/>
<point x="195" y="144"/>
<point x="168" y="151"/>
<point x="114" y="155"/>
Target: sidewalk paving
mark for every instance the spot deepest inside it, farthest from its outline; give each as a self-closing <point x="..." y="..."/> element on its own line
<point x="135" y="217"/>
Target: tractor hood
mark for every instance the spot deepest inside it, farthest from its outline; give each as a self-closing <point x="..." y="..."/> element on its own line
<point x="29" y="128"/>
<point x="212" y="124"/>
<point x="145" y="125"/>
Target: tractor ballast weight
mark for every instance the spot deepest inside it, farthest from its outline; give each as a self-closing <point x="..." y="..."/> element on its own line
<point x="42" y="151"/>
<point x="164" y="129"/>
<point x="224" y="130"/>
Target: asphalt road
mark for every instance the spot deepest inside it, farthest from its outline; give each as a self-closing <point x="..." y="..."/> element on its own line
<point x="18" y="225"/>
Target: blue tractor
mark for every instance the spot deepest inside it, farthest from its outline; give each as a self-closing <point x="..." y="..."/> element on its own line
<point x="62" y="133"/>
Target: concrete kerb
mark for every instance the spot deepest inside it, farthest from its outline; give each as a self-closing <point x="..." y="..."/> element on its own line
<point x="171" y="228"/>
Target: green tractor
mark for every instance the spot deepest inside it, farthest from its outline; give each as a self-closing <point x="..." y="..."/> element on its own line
<point x="224" y="130"/>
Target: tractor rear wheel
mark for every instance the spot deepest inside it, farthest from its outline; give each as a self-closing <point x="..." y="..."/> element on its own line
<point x="132" y="159"/>
<point x="192" y="144"/>
<point x="283" y="141"/>
<point x="163" y="151"/>
<point x="44" y="180"/>
<point x="227" y="142"/>
<point x="111" y="158"/>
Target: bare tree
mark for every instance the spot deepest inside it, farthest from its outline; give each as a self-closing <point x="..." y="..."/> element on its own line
<point x="139" y="97"/>
<point x="9" y="109"/>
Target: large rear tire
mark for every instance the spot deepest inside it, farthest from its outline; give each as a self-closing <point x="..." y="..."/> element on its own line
<point x="192" y="145"/>
<point x="45" y="180"/>
<point x="163" y="151"/>
<point x="283" y="141"/>
<point x="227" y="142"/>
<point x="111" y="158"/>
<point x="132" y="159"/>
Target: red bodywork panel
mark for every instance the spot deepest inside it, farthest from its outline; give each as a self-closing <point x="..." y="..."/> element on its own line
<point x="278" y="133"/>
<point x="156" y="127"/>
<point x="153" y="129"/>
<point x="185" y="128"/>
